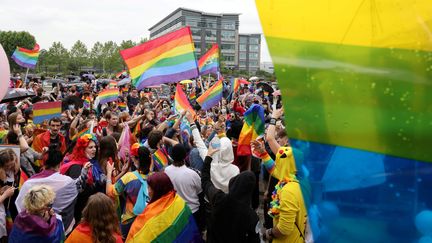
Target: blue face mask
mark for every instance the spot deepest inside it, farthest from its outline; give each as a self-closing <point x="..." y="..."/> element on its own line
<point x="71" y="107"/>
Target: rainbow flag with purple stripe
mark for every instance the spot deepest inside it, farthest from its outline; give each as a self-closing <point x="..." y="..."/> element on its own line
<point x="87" y="103"/>
<point x="252" y="128"/>
<point x="209" y="62"/>
<point x="160" y="159"/>
<point x="212" y="96"/>
<point x="108" y="95"/>
<point x="181" y="101"/>
<point x="46" y="110"/>
<point x="168" y="219"/>
<point x="167" y="59"/>
<point x="26" y="58"/>
<point x="122" y="106"/>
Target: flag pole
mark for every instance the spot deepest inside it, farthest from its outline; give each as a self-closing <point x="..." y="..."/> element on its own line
<point x="25" y="79"/>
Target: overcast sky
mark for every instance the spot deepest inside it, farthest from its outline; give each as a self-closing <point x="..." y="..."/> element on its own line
<point x="90" y="21"/>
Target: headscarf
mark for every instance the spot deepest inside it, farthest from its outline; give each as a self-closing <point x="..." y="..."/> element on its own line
<point x="222" y="169"/>
<point x="161" y="184"/>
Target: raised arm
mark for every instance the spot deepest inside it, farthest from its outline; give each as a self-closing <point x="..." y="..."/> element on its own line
<point x="271" y="131"/>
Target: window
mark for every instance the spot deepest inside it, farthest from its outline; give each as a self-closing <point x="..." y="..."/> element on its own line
<point x="253" y="63"/>
<point x="228" y="47"/>
<point x="254" y="48"/>
<point x="242" y="47"/>
<point x="253" y="55"/>
<point x="242" y="55"/>
<point x="242" y="64"/>
<point x="228" y="25"/>
<point x="228" y="35"/>
<point x="243" y="40"/>
<point x="211" y="23"/>
<point x="254" y="41"/>
<point x="211" y="34"/>
<point x="191" y="21"/>
<point x="228" y="58"/>
<point x="196" y="32"/>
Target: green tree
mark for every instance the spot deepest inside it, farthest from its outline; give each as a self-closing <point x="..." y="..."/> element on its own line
<point x="11" y="39"/>
<point x="126" y="44"/>
<point x="111" y="57"/>
<point x="58" y="56"/>
<point x="79" y="56"/>
<point x="42" y="61"/>
<point x="142" y="40"/>
<point x="96" y="56"/>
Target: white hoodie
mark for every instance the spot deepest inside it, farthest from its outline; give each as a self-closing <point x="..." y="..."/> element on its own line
<point x="222" y="169"/>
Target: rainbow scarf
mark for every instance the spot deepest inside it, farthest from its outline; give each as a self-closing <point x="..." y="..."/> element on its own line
<point x="167" y="59"/>
<point x="108" y="95"/>
<point x="160" y="159"/>
<point x="181" y="101"/>
<point x="46" y="110"/>
<point x="212" y="96"/>
<point x="252" y="128"/>
<point x="26" y="58"/>
<point x="209" y="62"/>
<point x="168" y="219"/>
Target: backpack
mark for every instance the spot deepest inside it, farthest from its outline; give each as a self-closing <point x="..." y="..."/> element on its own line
<point x="143" y="196"/>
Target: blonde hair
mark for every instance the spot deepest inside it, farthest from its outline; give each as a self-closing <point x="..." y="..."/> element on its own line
<point x="37" y="198"/>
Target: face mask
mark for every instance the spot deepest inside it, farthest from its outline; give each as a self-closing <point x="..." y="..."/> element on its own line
<point x="71" y="107"/>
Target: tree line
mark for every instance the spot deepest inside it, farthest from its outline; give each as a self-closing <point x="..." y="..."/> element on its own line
<point x="104" y="58"/>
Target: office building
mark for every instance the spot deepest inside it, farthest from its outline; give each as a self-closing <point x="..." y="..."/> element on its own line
<point x="249" y="52"/>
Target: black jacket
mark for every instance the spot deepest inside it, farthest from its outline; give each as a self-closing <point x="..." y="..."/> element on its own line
<point x="232" y="217"/>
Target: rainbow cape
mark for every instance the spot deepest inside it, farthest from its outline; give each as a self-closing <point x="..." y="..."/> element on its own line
<point x="108" y="95"/>
<point x="253" y="127"/>
<point x="46" y="110"/>
<point x="167" y="59"/>
<point x="160" y="159"/>
<point x="209" y="62"/>
<point x="168" y="219"/>
<point x="26" y="58"/>
<point x="181" y="101"/>
<point x="212" y="96"/>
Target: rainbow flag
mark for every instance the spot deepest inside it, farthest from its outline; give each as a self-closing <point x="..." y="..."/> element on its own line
<point x="79" y="134"/>
<point x="167" y="59"/>
<point x="209" y="62"/>
<point x="23" y="178"/>
<point x="253" y="127"/>
<point x="181" y="101"/>
<point x="160" y="159"/>
<point x="235" y="84"/>
<point x="168" y="219"/>
<point x="212" y="96"/>
<point x="112" y="84"/>
<point x="46" y="110"/>
<point x="192" y="95"/>
<point x="26" y="58"/>
<point x="108" y="95"/>
<point x="87" y="103"/>
<point x="125" y="90"/>
<point x="122" y="106"/>
<point x="124" y="73"/>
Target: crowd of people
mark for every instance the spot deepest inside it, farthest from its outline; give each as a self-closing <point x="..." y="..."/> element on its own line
<point x="136" y="170"/>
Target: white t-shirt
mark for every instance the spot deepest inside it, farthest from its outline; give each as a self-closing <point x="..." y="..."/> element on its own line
<point x="187" y="183"/>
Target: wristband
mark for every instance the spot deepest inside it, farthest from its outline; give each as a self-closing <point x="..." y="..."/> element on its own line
<point x="272" y="121"/>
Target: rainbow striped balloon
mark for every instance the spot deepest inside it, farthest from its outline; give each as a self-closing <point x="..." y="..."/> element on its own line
<point x="212" y="96"/>
<point x="209" y="62"/>
<point x="26" y="58"/>
<point x="108" y="95"/>
<point x="181" y="101"/>
<point x="167" y="59"/>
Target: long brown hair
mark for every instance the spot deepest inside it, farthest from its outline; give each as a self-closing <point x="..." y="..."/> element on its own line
<point x="100" y="214"/>
<point x="108" y="149"/>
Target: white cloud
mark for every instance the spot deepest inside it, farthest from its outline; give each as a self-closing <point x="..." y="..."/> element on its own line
<point x="116" y="20"/>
